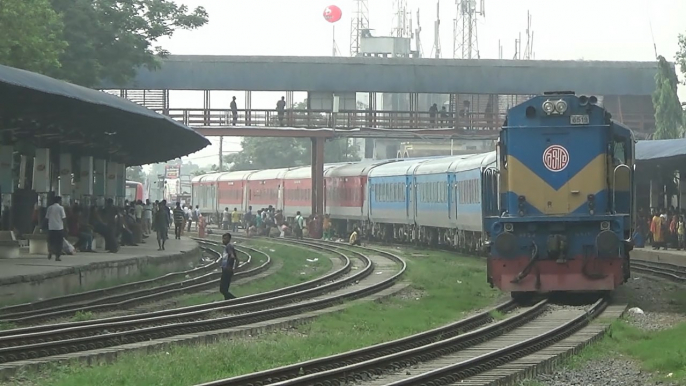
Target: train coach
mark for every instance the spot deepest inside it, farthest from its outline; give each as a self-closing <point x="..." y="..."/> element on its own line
<point x="204" y="193"/>
<point x="233" y="191"/>
<point x="347" y="198"/>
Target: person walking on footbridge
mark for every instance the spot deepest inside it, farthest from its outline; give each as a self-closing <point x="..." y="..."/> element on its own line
<point x="229" y="263"/>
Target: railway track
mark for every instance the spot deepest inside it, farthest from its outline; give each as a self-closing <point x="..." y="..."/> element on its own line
<point x="202" y="278"/>
<point x="47" y="340"/>
<point x="667" y="271"/>
<point x="442" y="356"/>
<point x="93" y="295"/>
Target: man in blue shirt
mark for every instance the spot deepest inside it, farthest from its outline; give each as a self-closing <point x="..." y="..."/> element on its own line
<point x="229" y="263"/>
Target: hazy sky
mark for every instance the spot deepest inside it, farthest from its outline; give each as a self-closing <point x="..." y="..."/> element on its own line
<point x="583" y="29"/>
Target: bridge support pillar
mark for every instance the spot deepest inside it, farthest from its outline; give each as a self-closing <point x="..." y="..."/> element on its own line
<point x="318" y="175"/>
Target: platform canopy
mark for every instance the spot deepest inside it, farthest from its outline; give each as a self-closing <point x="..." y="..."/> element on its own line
<point x="663" y="152"/>
<point x="50" y="113"/>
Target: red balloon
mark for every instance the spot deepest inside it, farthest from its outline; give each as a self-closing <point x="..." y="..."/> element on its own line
<point x="332" y="13"/>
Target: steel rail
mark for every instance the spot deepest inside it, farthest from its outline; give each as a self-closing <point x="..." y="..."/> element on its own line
<point x="71" y="330"/>
<point x="44" y="348"/>
<point x="459" y="371"/>
<point x="353" y="357"/>
<point x="87" y="296"/>
<point x="134" y="298"/>
<point x="667" y="271"/>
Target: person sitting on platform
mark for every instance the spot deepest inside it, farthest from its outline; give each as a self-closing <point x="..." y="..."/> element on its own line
<point x="100" y="227"/>
<point x="124" y="231"/>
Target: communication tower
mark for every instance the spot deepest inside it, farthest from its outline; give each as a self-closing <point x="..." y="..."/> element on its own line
<point x="359" y="24"/>
<point x="465" y="39"/>
<point x="436" y="51"/>
<point x="402" y="20"/>
<point x="417" y="38"/>
<point x="529" y="50"/>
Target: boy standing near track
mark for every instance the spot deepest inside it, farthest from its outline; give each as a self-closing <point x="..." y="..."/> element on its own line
<point x="229" y="263"/>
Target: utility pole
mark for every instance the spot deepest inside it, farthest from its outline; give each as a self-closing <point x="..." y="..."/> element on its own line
<point x="221" y="153"/>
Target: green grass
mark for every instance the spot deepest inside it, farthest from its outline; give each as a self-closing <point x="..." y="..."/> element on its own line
<point x="444" y="287"/>
<point x="82" y="316"/>
<point x="659" y="352"/>
<point x="295" y="269"/>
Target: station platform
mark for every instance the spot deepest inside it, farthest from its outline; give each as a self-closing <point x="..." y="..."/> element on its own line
<point x="33" y="277"/>
<point x="671" y="256"/>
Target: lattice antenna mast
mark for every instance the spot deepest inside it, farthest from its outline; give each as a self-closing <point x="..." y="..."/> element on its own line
<point x="417" y="37"/>
<point x="401" y="23"/>
<point x="359" y="24"/>
<point x="436" y="50"/>
<point x="465" y="38"/>
<point x="529" y="50"/>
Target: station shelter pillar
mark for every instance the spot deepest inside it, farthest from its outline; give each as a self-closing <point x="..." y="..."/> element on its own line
<point x="41" y="175"/>
<point x="6" y="184"/>
<point x="84" y="189"/>
<point x="100" y="181"/>
<point x="656" y="190"/>
<point x="318" y="176"/>
<point x="6" y="177"/>
<point x="111" y="181"/>
<point x="121" y="183"/>
<point x="65" y="184"/>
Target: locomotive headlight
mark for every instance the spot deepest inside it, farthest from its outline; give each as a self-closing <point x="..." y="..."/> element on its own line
<point x="561" y="107"/>
<point x="509" y="227"/>
<point x="605" y="225"/>
<point x="548" y="107"/>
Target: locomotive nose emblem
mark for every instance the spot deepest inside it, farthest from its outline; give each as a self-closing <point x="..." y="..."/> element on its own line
<point x="555" y="158"/>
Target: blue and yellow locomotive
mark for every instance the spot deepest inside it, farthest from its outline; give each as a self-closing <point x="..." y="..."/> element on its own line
<point x="559" y="206"/>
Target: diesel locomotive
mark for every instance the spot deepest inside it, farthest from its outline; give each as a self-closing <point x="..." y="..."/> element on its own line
<point x="561" y="198"/>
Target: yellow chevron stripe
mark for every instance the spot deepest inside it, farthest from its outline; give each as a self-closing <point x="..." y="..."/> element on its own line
<point x="589" y="180"/>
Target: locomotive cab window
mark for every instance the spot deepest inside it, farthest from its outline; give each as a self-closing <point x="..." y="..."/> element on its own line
<point x="619" y="152"/>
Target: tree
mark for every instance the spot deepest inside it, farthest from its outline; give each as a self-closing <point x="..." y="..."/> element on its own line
<point x="31" y="35"/>
<point x="668" y="112"/>
<point x="269" y="153"/>
<point x="681" y="54"/>
<point x="681" y="60"/>
<point x="135" y="173"/>
<point x="110" y="39"/>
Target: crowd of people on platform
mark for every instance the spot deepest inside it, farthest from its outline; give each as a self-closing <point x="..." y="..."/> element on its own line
<point x="131" y="224"/>
<point x="661" y="228"/>
<point x="73" y="228"/>
<point x="271" y="222"/>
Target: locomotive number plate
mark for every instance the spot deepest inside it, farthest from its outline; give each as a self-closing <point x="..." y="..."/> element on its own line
<point x="579" y="120"/>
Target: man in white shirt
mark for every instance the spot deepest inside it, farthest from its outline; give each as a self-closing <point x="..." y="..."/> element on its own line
<point x="55" y="216"/>
<point x="138" y="212"/>
<point x="147" y="217"/>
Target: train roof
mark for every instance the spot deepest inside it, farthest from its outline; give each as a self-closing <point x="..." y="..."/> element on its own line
<point x="305" y="172"/>
<point x="211" y="177"/>
<point x="440" y="165"/>
<point x="475" y="161"/>
<point x="235" y="176"/>
<point x="395" y="169"/>
<point x="195" y="179"/>
<point x="269" y="174"/>
<point x="358" y="169"/>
